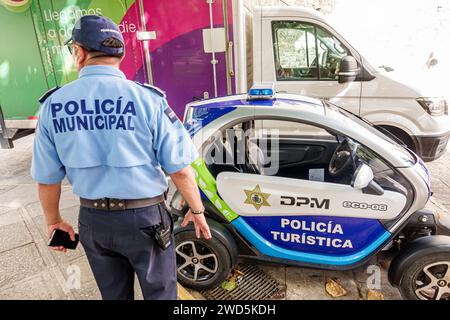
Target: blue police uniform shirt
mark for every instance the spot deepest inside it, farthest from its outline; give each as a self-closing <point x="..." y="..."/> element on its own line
<point x="111" y="137"/>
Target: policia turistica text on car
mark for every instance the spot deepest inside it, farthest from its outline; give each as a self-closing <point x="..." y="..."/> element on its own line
<point x="113" y="139"/>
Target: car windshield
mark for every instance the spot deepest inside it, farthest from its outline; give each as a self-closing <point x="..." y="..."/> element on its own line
<point x="398" y="145"/>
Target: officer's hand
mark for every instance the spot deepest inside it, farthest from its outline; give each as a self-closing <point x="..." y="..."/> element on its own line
<point x="63" y="226"/>
<point x="200" y="224"/>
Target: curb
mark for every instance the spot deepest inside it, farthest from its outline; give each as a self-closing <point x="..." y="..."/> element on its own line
<point x="185" y="294"/>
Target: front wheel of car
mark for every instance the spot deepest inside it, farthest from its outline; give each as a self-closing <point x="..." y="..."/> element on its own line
<point x="428" y="278"/>
<point x="201" y="264"/>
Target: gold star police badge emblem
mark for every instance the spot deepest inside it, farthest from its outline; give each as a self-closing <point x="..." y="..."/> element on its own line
<point x="257" y="198"/>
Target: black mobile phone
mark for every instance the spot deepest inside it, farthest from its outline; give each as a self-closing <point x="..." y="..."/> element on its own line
<point x="62" y="239"/>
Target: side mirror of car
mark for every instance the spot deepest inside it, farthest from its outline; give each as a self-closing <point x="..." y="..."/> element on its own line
<point x="348" y="70"/>
<point x="363" y="180"/>
<point x="363" y="176"/>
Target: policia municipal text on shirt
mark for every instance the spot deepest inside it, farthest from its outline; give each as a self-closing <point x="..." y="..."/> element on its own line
<point x="115" y="140"/>
<point x="105" y="115"/>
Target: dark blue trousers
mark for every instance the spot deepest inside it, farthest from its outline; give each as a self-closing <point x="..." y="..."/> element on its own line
<point x="119" y="244"/>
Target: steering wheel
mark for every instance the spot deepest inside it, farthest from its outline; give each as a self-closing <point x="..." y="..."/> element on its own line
<point x="343" y="159"/>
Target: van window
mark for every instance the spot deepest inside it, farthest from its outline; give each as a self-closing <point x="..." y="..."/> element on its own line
<point x="305" y="52"/>
<point x="295" y="51"/>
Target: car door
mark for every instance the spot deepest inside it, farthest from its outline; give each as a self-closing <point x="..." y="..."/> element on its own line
<point x="303" y="57"/>
<point x="302" y="151"/>
<point x="309" y="213"/>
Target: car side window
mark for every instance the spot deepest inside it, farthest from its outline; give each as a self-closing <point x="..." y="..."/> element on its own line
<point x="305" y="51"/>
<point x="292" y="149"/>
<point x="387" y="177"/>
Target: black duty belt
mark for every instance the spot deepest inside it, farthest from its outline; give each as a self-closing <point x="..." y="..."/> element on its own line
<point x="108" y="204"/>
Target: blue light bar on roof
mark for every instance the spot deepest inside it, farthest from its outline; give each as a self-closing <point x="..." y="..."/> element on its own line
<point x="262" y="91"/>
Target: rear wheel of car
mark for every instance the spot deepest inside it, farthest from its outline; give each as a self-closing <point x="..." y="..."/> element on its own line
<point x="428" y="278"/>
<point x="201" y="264"/>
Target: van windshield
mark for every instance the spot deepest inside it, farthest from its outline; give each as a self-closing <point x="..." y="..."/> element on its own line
<point x="398" y="145"/>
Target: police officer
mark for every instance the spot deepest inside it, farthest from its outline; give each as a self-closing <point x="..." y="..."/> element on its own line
<point x="114" y="139"/>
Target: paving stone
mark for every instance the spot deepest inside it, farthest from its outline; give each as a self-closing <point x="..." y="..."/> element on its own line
<point x="13" y="236"/>
<point x="365" y="277"/>
<point x="19" y="196"/>
<point x="346" y="280"/>
<point x="16" y="173"/>
<point x="11" y="216"/>
<point x="389" y="292"/>
<point x="34" y="209"/>
<point x="278" y="273"/>
<point x="381" y="260"/>
<point x="19" y="263"/>
<point x="40" y="287"/>
<point x="81" y="263"/>
<point x="305" y="284"/>
<point x="68" y="199"/>
<point x="137" y="290"/>
<point x="6" y="188"/>
<point x="16" y="163"/>
<point x="440" y="191"/>
<point x="309" y="284"/>
<point x="88" y="291"/>
<point x="4" y="210"/>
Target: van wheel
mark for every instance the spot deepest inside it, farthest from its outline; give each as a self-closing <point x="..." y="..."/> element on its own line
<point x="201" y="264"/>
<point x="428" y="278"/>
<point x="403" y="136"/>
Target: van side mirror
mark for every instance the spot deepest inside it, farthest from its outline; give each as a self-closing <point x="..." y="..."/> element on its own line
<point x="363" y="180"/>
<point x="348" y="70"/>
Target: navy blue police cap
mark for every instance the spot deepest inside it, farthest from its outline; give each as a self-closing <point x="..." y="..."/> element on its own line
<point x="91" y="31"/>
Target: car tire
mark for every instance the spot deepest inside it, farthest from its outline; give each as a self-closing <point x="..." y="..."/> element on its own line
<point x="417" y="285"/>
<point x="219" y="261"/>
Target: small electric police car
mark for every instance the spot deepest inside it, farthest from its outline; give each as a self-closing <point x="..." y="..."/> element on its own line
<point x="298" y="181"/>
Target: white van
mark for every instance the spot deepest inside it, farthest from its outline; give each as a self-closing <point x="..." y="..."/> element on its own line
<point x="298" y="50"/>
